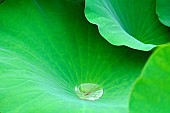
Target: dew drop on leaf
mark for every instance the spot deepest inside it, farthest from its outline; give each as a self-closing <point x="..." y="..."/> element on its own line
<point x="89" y="91"/>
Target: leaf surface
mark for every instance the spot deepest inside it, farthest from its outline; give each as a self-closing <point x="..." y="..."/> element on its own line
<point x="151" y="92"/>
<point x="162" y="9"/>
<point x="47" y="48"/>
<point x="128" y="22"/>
<point x="1" y="1"/>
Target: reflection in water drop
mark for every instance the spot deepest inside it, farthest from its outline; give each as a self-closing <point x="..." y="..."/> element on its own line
<point x="89" y="91"/>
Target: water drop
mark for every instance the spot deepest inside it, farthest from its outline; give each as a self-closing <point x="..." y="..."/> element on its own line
<point x="89" y="91"/>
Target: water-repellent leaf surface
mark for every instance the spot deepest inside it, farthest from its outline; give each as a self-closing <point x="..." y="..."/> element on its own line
<point x="47" y="48"/>
<point x="132" y="23"/>
<point x="162" y="9"/>
<point x="151" y="92"/>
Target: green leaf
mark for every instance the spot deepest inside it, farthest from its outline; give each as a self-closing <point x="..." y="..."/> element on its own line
<point x="151" y="92"/>
<point x="47" y="49"/>
<point x="128" y="22"/>
<point x="162" y="9"/>
<point x="1" y="1"/>
<point x="77" y="1"/>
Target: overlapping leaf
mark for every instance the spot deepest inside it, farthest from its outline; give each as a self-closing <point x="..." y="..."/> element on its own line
<point x="132" y="23"/>
<point x="162" y="9"/>
<point x="47" y="48"/>
<point x="151" y="92"/>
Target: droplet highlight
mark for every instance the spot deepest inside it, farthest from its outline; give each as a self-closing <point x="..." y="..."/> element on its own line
<point x="89" y="91"/>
